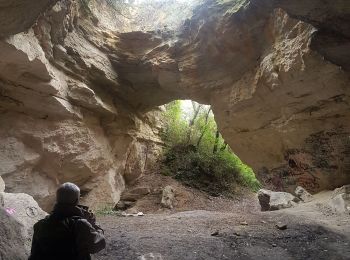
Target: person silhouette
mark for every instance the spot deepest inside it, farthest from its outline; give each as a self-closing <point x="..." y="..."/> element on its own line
<point x="70" y="232"/>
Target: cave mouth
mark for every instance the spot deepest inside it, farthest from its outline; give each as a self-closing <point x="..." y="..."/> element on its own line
<point x="143" y="15"/>
<point x="197" y="154"/>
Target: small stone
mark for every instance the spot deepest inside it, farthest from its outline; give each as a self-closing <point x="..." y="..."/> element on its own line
<point x="274" y="245"/>
<point x="237" y="234"/>
<point x="120" y="206"/>
<point x="244" y="223"/>
<point x="303" y="194"/>
<point x="214" y="234"/>
<point x="281" y="226"/>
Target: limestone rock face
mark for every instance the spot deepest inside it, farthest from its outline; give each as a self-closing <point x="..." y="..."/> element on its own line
<point x="61" y="117"/>
<point x="18" y="214"/>
<point x="274" y="111"/>
<point x="19" y="15"/>
<point x="79" y="92"/>
<point x="332" y="18"/>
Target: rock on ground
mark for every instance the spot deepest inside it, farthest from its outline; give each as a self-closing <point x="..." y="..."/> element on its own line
<point x="340" y="201"/>
<point x="135" y="194"/>
<point x="168" y="197"/>
<point x="303" y="194"/>
<point x="270" y="200"/>
<point x="344" y="189"/>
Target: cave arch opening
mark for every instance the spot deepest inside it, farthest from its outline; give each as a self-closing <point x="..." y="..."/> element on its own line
<point x="142" y="15"/>
<point x="197" y="154"/>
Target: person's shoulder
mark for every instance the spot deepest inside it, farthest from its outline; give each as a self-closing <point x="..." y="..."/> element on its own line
<point x="42" y="221"/>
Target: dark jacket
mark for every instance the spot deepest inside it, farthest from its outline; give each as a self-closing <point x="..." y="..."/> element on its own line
<point x="66" y="234"/>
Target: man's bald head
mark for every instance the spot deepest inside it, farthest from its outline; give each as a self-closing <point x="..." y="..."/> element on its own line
<point x="68" y="193"/>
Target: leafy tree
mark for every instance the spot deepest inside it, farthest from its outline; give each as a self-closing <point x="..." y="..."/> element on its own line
<point x="175" y="127"/>
<point x="197" y="153"/>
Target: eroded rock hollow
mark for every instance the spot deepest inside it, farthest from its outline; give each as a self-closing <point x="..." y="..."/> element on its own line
<point x="81" y="82"/>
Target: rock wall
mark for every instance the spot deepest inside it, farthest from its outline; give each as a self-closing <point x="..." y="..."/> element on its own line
<point x="291" y="111"/>
<point x="79" y="94"/>
<point x="62" y="118"/>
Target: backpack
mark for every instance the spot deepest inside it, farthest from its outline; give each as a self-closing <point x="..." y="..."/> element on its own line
<point x="55" y="239"/>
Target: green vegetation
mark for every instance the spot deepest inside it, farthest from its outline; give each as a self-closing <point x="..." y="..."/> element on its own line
<point x="107" y="210"/>
<point x="196" y="153"/>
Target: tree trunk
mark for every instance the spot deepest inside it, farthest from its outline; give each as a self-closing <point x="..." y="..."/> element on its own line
<point x="223" y="147"/>
<point x="215" y="149"/>
<point x="205" y="128"/>
<point x="196" y="110"/>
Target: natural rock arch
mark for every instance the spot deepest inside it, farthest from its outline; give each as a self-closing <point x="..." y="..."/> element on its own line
<point x="77" y="100"/>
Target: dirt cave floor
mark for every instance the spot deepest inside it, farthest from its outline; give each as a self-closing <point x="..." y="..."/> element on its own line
<point x="240" y="232"/>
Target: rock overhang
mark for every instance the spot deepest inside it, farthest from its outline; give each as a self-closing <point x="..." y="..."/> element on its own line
<point x="251" y="62"/>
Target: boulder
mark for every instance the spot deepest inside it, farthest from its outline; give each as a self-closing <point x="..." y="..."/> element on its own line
<point x="123" y="205"/>
<point x="340" y="201"/>
<point x="12" y="238"/>
<point x="270" y="200"/>
<point x="135" y="194"/>
<point x="18" y="213"/>
<point x="168" y="197"/>
<point x="344" y="189"/>
<point x="303" y="194"/>
<point x="2" y="185"/>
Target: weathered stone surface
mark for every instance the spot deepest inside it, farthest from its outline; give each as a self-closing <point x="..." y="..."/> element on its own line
<point x="12" y="239"/>
<point x="77" y="99"/>
<point x="168" y="197"/>
<point x="124" y="205"/>
<point x="303" y="194"/>
<point x="19" y="212"/>
<point x="2" y="185"/>
<point x="19" y="15"/>
<point x="135" y="194"/>
<point x="344" y="189"/>
<point x="341" y="203"/>
<point x="270" y="200"/>
<point x="80" y="135"/>
<point x="332" y="18"/>
<point x="295" y="132"/>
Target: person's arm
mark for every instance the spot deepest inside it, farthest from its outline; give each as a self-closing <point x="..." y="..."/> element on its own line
<point x="88" y="239"/>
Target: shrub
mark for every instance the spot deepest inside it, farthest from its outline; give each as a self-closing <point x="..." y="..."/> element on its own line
<point x="197" y="154"/>
<point x="207" y="172"/>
